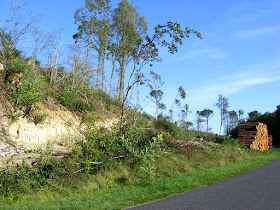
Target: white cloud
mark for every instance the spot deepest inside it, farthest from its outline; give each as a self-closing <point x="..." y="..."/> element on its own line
<point x="255" y="75"/>
<point x="245" y="12"/>
<point x="210" y="52"/>
<point x="256" y="32"/>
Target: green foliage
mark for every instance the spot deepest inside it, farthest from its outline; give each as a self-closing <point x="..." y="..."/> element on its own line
<point x="179" y="176"/>
<point x="166" y="126"/>
<point x="31" y="89"/>
<point x="254" y="116"/>
<point x="39" y="117"/>
<point x="227" y="140"/>
<point x="176" y="32"/>
<point x="15" y="117"/>
<point x="272" y="120"/>
<point x="147" y="116"/>
<point x="102" y="147"/>
<point x="47" y="174"/>
<point x="70" y="100"/>
<point x="16" y="65"/>
<point x="104" y="100"/>
<point x="90" y="119"/>
<point x="8" y="50"/>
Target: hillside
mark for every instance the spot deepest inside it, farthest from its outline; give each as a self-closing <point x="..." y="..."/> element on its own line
<point x="72" y="127"/>
<point x="48" y="124"/>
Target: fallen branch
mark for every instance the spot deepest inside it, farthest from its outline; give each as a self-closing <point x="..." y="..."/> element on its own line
<point x="98" y="163"/>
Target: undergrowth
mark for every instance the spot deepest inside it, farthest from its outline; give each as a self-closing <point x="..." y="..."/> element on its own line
<point x="107" y="159"/>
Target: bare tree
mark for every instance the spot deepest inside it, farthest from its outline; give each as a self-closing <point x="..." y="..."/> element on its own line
<point x="207" y="113"/>
<point x="222" y="104"/>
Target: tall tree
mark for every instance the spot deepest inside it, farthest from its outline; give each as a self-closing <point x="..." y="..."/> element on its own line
<point x="146" y="52"/>
<point x="222" y="104"/>
<point x="129" y="28"/>
<point x="181" y="94"/>
<point x="112" y="56"/>
<point x="199" y="120"/>
<point x="184" y="115"/>
<point x="254" y="116"/>
<point x="206" y="113"/>
<point x="93" y="29"/>
<point x="231" y="121"/>
<point x="156" y="96"/>
<point x="240" y="113"/>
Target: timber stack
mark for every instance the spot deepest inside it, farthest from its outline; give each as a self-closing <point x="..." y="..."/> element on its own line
<point x="255" y="135"/>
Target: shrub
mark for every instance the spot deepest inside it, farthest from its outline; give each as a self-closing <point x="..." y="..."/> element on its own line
<point x="227" y="140"/>
<point x="127" y="141"/>
<point x="69" y="100"/>
<point x="167" y="126"/>
<point x="48" y="173"/>
<point x="39" y="117"/>
<point x="30" y="91"/>
<point x="16" y="65"/>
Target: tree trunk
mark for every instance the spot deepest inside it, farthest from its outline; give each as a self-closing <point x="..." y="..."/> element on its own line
<point x="98" y="71"/>
<point x="103" y="71"/>
<point x="121" y="79"/>
<point x="221" y="124"/>
<point x="112" y="75"/>
<point x="156" y="107"/>
<point x="88" y="48"/>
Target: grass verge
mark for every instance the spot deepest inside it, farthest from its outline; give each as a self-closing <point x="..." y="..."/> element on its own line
<point x="134" y="194"/>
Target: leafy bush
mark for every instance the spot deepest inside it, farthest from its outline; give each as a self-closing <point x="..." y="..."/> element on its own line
<point x="69" y="100"/>
<point x="16" y="65"/>
<point x="90" y="119"/>
<point x="167" y="126"/>
<point x="227" y="140"/>
<point x="102" y="146"/>
<point x="48" y="173"/>
<point x="30" y="91"/>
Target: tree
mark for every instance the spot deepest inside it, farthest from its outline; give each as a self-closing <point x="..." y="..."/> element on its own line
<point x="184" y="114"/>
<point x="272" y="120"/>
<point x="13" y="34"/>
<point x="231" y="121"/>
<point x="199" y="120"/>
<point x="156" y="96"/>
<point x="93" y="30"/>
<point x="206" y="113"/>
<point x="112" y="54"/>
<point x="129" y="28"/>
<point x="146" y="52"/>
<point x="240" y="115"/>
<point x="254" y="116"/>
<point x="181" y="94"/>
<point x="222" y="104"/>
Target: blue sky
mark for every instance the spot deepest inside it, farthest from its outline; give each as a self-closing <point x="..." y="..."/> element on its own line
<point x="238" y="57"/>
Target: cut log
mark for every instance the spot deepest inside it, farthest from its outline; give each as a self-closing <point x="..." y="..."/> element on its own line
<point x="255" y="135"/>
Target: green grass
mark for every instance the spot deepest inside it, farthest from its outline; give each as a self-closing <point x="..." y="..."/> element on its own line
<point x="89" y="196"/>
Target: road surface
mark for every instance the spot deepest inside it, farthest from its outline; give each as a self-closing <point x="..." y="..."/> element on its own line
<point x="256" y="189"/>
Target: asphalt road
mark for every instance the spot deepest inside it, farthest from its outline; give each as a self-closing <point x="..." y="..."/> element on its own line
<point x="256" y="189"/>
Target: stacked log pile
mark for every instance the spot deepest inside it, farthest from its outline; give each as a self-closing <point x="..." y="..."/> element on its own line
<point x="255" y="135"/>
